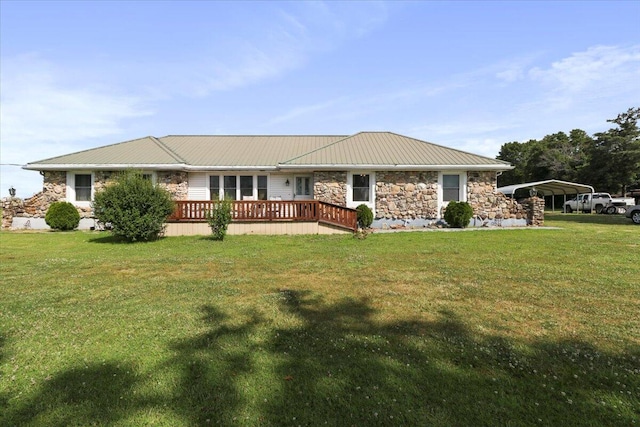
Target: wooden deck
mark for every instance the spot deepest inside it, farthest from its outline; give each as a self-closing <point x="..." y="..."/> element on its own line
<point x="270" y="210"/>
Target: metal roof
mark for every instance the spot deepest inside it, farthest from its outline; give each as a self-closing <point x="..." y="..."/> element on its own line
<point x="390" y="149"/>
<point x="238" y="151"/>
<point x="140" y="151"/>
<point x="550" y="187"/>
<point x="364" y="150"/>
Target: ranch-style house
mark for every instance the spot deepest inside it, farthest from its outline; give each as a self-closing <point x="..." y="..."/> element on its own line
<point x="285" y="183"/>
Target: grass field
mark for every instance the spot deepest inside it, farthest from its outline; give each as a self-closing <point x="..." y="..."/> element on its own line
<point x="473" y="328"/>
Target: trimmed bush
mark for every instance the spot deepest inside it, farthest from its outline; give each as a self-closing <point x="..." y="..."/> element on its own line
<point x="365" y="216"/>
<point x="135" y="208"/>
<point x="62" y="216"/>
<point x="458" y="214"/>
<point x="219" y="219"/>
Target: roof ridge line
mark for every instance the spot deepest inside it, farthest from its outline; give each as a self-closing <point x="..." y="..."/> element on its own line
<point x="448" y="148"/>
<point x="320" y="148"/>
<point x="91" y="149"/>
<point x="168" y="150"/>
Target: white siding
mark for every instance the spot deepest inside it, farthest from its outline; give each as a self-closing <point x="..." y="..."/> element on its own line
<point x="198" y="188"/>
<point x="278" y="187"/>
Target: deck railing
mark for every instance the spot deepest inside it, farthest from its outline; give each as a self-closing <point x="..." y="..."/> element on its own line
<point x="269" y="210"/>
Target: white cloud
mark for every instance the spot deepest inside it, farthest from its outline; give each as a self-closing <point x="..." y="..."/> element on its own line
<point x="610" y="66"/>
<point x="43" y="116"/>
<point x="306" y="110"/>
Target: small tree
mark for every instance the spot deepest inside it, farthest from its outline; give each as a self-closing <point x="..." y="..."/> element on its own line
<point x="458" y="214"/>
<point x="135" y="207"/>
<point x="219" y="219"/>
<point x="62" y="216"/>
<point x="365" y="216"/>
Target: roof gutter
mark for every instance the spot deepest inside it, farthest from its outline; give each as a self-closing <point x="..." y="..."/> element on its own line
<point x="320" y="167"/>
<point x="500" y="167"/>
<point x="147" y="166"/>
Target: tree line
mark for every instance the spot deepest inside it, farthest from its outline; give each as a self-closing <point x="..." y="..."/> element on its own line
<point x="608" y="161"/>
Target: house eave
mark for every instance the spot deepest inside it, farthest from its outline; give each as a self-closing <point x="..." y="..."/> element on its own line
<point x="102" y="166"/>
<point x="381" y="167"/>
<point x="145" y="166"/>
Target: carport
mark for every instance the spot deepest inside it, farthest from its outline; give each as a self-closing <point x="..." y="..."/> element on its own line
<point x="551" y="187"/>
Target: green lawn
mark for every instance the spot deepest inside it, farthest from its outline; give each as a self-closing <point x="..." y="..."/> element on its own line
<point x="494" y="328"/>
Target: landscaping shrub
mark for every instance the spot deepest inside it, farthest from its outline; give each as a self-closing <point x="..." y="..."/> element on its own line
<point x="62" y="216"/>
<point x="219" y="219"/>
<point x="365" y="216"/>
<point x="458" y="214"/>
<point x="135" y="208"/>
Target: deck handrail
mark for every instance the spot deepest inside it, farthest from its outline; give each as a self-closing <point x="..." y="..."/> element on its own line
<point x="269" y="210"/>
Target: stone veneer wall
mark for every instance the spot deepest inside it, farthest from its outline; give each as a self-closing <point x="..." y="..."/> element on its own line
<point x="330" y="187"/>
<point x="487" y="203"/>
<point x="55" y="189"/>
<point x="175" y="182"/>
<point x="406" y="195"/>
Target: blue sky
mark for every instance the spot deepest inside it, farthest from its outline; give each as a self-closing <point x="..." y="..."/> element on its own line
<point x="470" y="75"/>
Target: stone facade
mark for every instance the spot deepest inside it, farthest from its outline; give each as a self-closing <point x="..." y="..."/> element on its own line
<point x="55" y="189"/>
<point x="487" y="203"/>
<point x="330" y="187"/>
<point x="175" y="182"/>
<point x="406" y="195"/>
<point x="401" y="197"/>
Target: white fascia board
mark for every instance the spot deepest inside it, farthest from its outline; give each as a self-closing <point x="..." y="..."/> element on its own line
<point x="172" y="167"/>
<point x="497" y="167"/>
<point x="230" y="168"/>
<point x="114" y="166"/>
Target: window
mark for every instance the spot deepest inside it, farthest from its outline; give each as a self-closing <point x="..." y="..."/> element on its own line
<point x="450" y="188"/>
<point x="230" y="187"/>
<point x="361" y="188"/>
<point x="246" y="186"/>
<point x="303" y="186"/>
<point x="262" y="187"/>
<point x="83" y="187"/>
<point x="214" y="187"/>
<point x="238" y="187"/>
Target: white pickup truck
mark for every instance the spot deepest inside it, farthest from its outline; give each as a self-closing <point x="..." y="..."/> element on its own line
<point x="600" y="203"/>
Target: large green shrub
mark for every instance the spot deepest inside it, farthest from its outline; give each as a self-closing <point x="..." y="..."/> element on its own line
<point x="219" y="219"/>
<point x="458" y="214"/>
<point x="365" y="216"/>
<point x="62" y="216"/>
<point x="135" y="208"/>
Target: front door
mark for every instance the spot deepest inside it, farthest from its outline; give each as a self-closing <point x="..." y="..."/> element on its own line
<point x="303" y="189"/>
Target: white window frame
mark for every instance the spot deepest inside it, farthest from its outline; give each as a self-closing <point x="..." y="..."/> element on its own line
<point x="462" y="196"/>
<point x="71" y="188"/>
<point x="372" y="190"/>
<point x="295" y="188"/>
<point x="254" y="184"/>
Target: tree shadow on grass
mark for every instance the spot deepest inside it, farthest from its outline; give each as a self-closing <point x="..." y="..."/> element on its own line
<point x="94" y="394"/>
<point x="318" y="363"/>
<point x="344" y="368"/>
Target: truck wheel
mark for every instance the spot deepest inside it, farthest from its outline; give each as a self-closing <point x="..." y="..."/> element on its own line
<point x="567" y="209"/>
<point x="599" y="209"/>
<point x="635" y="217"/>
<point x="611" y="210"/>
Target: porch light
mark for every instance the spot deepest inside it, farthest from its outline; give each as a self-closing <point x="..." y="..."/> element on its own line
<point x="533" y="192"/>
<point x="12" y="191"/>
<point x="286" y="182"/>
